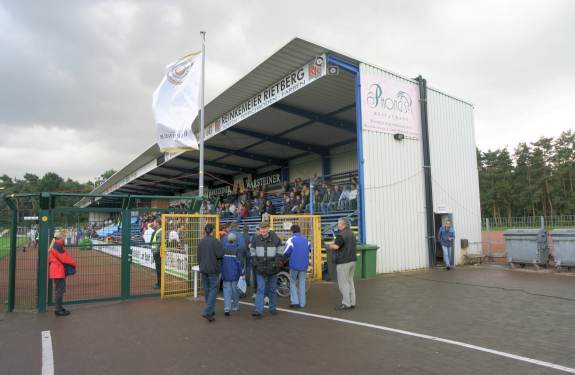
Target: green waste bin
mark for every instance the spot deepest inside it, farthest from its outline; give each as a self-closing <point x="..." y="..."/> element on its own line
<point x="368" y="260"/>
<point x="358" y="264"/>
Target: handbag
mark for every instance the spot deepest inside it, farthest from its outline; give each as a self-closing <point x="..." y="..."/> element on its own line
<point x="69" y="270"/>
<point x="242" y="286"/>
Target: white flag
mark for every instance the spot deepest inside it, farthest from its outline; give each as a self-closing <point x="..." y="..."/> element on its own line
<point x="176" y="104"/>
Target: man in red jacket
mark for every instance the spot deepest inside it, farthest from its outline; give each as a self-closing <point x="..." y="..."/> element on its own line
<point x="57" y="258"/>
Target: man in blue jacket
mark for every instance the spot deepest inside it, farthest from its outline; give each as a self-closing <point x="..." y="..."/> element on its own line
<point x="297" y="250"/>
<point x="446" y="236"/>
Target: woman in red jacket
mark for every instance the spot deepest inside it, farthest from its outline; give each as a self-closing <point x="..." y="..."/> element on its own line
<point x="58" y="257"/>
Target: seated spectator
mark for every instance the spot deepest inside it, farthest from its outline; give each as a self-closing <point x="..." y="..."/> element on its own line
<point x="270" y="208"/>
<point x="305" y="198"/>
<point x="244" y="210"/>
<point x="325" y="196"/>
<point x="353" y="197"/>
<point x="334" y="197"/>
<point x="343" y="202"/>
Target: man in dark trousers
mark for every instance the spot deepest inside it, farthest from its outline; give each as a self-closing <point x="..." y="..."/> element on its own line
<point x="210" y="254"/>
<point x="267" y="256"/>
<point x="345" y="248"/>
<point x="155" y="242"/>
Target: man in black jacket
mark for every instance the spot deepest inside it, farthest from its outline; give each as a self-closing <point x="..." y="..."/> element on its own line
<point x="210" y="254"/>
<point x="345" y="248"/>
<point x="267" y="257"/>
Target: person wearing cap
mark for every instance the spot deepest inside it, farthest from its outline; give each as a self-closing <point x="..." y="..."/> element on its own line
<point x="60" y="265"/>
<point x="345" y="248"/>
<point x="155" y="247"/>
<point x="267" y="255"/>
<point x="210" y="254"/>
<point x="231" y="272"/>
<point x="297" y="250"/>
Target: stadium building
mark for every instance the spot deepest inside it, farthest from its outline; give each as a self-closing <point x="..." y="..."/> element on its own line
<point x="402" y="153"/>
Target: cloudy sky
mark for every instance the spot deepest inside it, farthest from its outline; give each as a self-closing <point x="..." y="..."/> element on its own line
<point x="76" y="77"/>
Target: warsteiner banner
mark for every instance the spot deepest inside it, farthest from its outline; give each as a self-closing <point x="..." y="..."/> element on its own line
<point x="289" y="84"/>
<point x="389" y="104"/>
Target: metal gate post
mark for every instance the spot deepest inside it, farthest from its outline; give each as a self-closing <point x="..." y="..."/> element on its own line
<point x="42" y="275"/>
<point x="12" y="265"/>
<point x="126" y="253"/>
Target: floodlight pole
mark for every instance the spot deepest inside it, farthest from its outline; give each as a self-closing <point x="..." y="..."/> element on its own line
<point x="201" y="171"/>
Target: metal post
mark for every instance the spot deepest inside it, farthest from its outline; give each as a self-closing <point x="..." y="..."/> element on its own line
<point x="126" y="252"/>
<point x="311" y="196"/>
<point x="201" y="171"/>
<point x="42" y="274"/>
<point x="488" y="229"/>
<point x="12" y="269"/>
<point x="542" y="220"/>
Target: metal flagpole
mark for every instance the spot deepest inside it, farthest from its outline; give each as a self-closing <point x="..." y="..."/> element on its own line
<point x="201" y="172"/>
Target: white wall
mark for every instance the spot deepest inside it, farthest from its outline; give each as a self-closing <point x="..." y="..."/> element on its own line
<point x="394" y="197"/>
<point x="305" y="167"/>
<point x="343" y="159"/>
<point x="454" y="166"/>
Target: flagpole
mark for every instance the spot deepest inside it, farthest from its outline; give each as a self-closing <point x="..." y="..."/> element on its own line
<point x="201" y="171"/>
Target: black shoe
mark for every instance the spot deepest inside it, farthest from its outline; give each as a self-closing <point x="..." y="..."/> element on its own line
<point x="294" y="306"/>
<point x="448" y="268"/>
<point x="256" y="315"/>
<point x="62" y="312"/>
<point x="226" y="313"/>
<point x="342" y="307"/>
<point x="352" y="307"/>
<point x="273" y="312"/>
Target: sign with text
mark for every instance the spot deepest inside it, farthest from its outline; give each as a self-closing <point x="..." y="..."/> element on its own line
<point x="288" y="85"/>
<point x="389" y="104"/>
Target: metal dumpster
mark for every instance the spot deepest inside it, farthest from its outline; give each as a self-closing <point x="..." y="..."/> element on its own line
<point x="526" y="246"/>
<point x="563" y="247"/>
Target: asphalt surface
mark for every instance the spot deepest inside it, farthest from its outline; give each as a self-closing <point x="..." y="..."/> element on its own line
<point x="523" y="313"/>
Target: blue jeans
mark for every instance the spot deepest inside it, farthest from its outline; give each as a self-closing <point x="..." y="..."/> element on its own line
<point x="269" y="284"/>
<point x="446" y="250"/>
<point x="210" y="282"/>
<point x="231" y="296"/>
<point x="297" y="291"/>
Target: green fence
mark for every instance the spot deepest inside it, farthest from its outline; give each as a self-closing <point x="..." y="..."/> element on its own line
<point x="104" y="234"/>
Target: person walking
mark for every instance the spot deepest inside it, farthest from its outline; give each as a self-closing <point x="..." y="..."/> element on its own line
<point x="155" y="242"/>
<point x="210" y="254"/>
<point x="61" y="264"/>
<point x="446" y="236"/>
<point x="297" y="251"/>
<point x="231" y="272"/>
<point x="267" y="256"/>
<point x="345" y="248"/>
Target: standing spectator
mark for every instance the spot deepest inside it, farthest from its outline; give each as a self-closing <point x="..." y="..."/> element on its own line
<point x="174" y="236"/>
<point x="353" y="197"/>
<point x="59" y="261"/>
<point x="446" y="236"/>
<point x="248" y="262"/>
<point x="155" y="246"/>
<point x="261" y="202"/>
<point x="297" y="250"/>
<point x="345" y="247"/>
<point x="305" y="198"/>
<point x="267" y="254"/>
<point x="210" y="253"/>
<point x="243" y="246"/>
<point x="231" y="272"/>
<point x="253" y="270"/>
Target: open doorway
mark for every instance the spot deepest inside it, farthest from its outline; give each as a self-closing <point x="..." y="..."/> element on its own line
<point x="440" y="219"/>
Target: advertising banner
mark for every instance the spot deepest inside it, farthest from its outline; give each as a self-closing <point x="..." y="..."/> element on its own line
<point x="389" y="104"/>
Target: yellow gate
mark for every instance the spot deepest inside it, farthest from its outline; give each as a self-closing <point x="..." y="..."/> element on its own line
<point x="181" y="234"/>
<point x="310" y="226"/>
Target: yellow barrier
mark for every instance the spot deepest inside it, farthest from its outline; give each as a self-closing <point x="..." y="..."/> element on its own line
<point x="310" y="226"/>
<point x="181" y="234"/>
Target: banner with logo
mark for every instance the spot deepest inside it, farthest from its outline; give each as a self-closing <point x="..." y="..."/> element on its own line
<point x="288" y="85"/>
<point x="176" y="103"/>
<point x="389" y="104"/>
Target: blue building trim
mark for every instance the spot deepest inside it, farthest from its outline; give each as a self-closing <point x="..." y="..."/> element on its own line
<point x="354" y="69"/>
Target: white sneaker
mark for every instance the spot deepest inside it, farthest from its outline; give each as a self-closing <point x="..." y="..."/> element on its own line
<point x="266" y="301"/>
<point x="254" y="296"/>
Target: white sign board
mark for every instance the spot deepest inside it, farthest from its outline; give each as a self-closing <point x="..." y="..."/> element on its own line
<point x="288" y="85"/>
<point x="389" y="104"/>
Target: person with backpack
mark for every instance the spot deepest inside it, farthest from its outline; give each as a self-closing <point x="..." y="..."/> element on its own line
<point x="231" y="273"/>
<point x="61" y="265"/>
<point x="297" y="250"/>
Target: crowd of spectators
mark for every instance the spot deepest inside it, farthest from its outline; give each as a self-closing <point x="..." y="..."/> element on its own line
<point x="291" y="198"/>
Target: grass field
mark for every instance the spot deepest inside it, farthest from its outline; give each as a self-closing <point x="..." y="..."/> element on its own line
<point x="5" y="245"/>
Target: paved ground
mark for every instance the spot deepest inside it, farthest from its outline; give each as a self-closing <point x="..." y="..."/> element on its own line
<point x="523" y="313"/>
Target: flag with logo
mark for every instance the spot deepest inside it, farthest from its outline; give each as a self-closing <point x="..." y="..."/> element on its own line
<point x="176" y="103"/>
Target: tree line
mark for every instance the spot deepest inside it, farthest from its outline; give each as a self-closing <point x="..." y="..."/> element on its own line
<point x="534" y="179"/>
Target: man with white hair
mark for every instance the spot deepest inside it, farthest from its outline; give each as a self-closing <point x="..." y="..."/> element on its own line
<point x="345" y="248"/>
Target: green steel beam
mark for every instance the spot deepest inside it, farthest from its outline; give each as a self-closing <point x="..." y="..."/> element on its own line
<point x="126" y="253"/>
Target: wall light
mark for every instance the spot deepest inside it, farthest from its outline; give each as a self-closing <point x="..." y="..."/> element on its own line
<point x="398" y="137"/>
